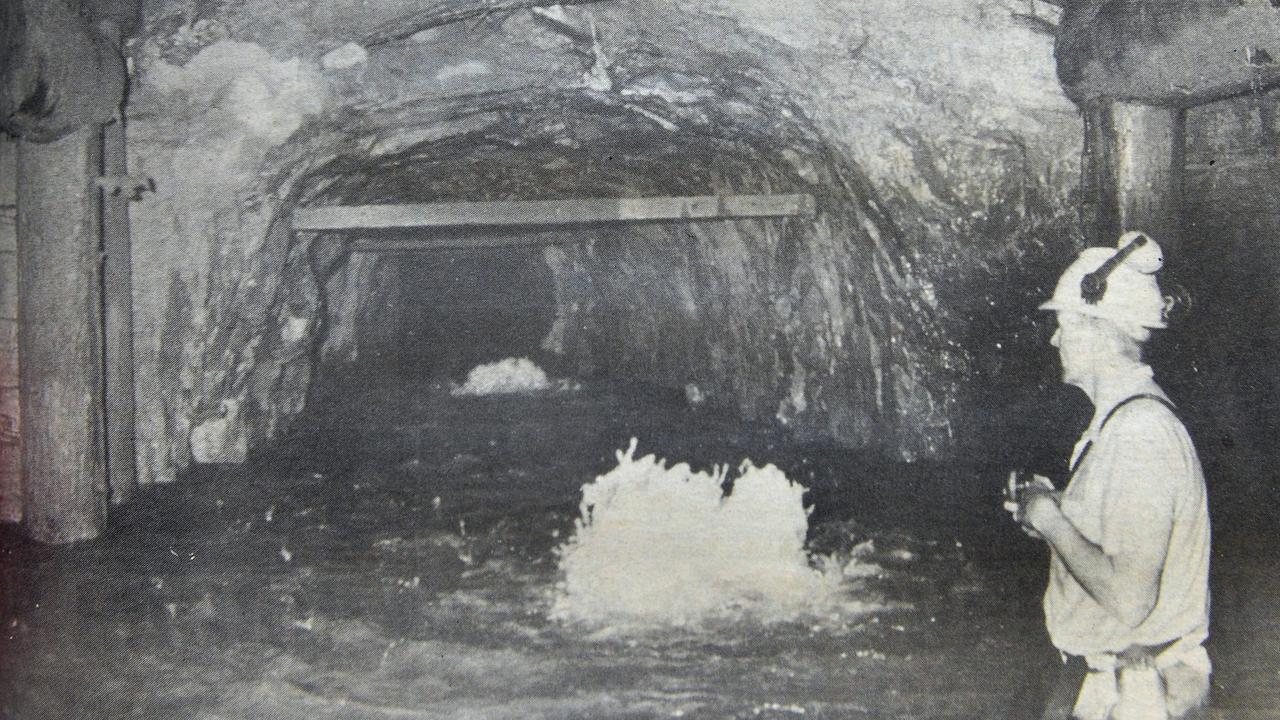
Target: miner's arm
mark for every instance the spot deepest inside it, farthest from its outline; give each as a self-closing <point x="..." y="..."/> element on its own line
<point x="1126" y="584"/>
<point x="1136" y="468"/>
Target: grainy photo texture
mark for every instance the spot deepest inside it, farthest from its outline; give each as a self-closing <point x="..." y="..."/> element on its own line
<point x="508" y="359"/>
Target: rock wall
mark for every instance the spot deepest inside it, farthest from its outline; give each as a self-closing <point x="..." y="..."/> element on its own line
<point x="936" y="140"/>
<point x="957" y="157"/>
<point x="207" y="258"/>
<point x="1221" y="360"/>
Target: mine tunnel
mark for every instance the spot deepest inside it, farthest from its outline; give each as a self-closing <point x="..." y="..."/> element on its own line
<point x="506" y="358"/>
<point x="463" y="309"/>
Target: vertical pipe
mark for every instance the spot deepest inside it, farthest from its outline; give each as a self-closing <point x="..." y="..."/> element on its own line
<point x="59" y="328"/>
<point x="117" y="299"/>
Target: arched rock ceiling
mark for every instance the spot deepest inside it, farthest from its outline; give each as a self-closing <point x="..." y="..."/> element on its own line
<point x="937" y="146"/>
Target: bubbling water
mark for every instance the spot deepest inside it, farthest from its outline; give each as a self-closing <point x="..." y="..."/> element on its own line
<point x="512" y="375"/>
<point x="658" y="545"/>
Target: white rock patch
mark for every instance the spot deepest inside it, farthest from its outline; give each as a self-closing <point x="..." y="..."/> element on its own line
<point x="242" y="84"/>
<point x="345" y="57"/>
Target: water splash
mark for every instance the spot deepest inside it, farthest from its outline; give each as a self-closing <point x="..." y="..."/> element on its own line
<point x="658" y="545"/>
<point x="511" y="375"/>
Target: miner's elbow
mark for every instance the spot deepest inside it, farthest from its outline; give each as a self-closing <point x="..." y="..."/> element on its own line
<point x="1136" y="605"/>
<point x="1133" y="615"/>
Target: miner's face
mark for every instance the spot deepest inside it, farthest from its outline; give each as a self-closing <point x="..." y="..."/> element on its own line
<point x="1077" y="341"/>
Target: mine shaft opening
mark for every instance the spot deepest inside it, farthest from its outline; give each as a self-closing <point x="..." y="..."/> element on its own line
<point x="426" y="304"/>
<point x="439" y="313"/>
<point x="434" y="303"/>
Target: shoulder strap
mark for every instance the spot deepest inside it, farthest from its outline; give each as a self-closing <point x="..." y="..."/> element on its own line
<point x="1140" y="396"/>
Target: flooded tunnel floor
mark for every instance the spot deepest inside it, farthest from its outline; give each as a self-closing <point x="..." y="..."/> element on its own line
<point x="394" y="559"/>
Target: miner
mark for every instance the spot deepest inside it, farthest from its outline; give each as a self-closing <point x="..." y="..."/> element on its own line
<point x="1127" y="605"/>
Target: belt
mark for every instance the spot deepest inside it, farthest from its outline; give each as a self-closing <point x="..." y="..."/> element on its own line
<point x="1133" y="684"/>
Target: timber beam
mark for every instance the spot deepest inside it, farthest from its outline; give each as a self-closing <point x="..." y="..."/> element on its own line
<point x="550" y="213"/>
<point x="1177" y="54"/>
<point x="117" y="318"/>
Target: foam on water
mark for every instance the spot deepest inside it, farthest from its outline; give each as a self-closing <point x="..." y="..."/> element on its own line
<point x="511" y="375"/>
<point x="658" y="545"/>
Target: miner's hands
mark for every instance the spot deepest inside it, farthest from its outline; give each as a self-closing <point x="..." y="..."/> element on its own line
<point x="1039" y="507"/>
<point x="1031" y="503"/>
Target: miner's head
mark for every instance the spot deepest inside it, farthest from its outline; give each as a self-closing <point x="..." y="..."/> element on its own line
<point x="1107" y="302"/>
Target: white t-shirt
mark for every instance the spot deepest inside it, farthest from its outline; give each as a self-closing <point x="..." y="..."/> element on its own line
<point x="1138" y="485"/>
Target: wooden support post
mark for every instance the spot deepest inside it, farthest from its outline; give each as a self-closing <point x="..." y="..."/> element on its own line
<point x="10" y="449"/>
<point x="1134" y="156"/>
<point x="117" y="296"/>
<point x="534" y="213"/>
<point x="59" y="326"/>
<point x="1150" y="153"/>
<point x="1099" y="209"/>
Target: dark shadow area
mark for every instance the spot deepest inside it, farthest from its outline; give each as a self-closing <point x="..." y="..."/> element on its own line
<point x="1224" y="365"/>
<point x="395" y="555"/>
<point x="458" y="309"/>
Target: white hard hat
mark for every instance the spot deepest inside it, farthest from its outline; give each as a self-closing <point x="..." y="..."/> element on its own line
<point x="1121" y="289"/>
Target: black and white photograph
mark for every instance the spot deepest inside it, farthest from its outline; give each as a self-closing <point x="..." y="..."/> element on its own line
<point x="640" y="359"/>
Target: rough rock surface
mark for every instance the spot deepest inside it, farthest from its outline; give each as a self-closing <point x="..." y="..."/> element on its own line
<point x="1168" y="53"/>
<point x="935" y="140"/>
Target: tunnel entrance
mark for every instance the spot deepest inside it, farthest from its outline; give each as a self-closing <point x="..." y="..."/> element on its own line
<point x="681" y="289"/>
<point x="445" y="311"/>
<point x="431" y="300"/>
<point x="453" y="285"/>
